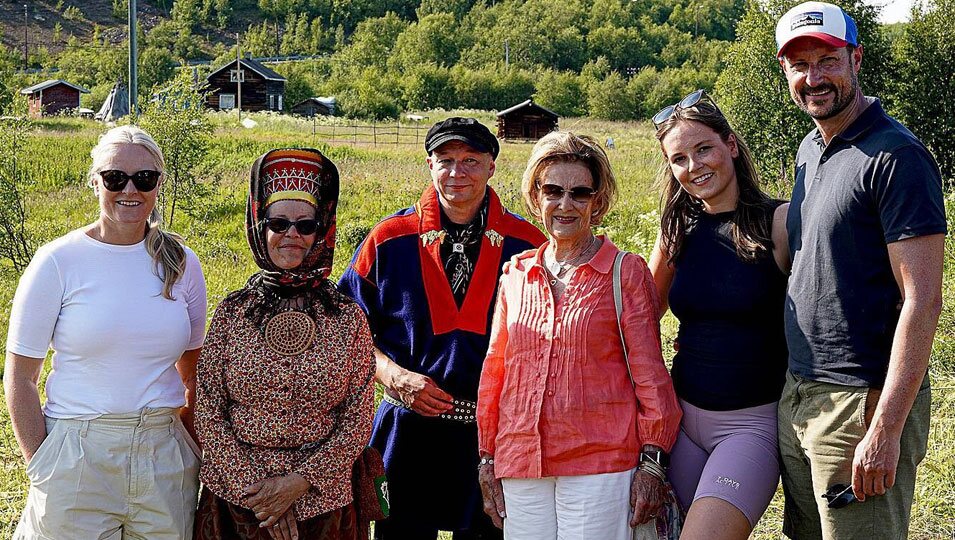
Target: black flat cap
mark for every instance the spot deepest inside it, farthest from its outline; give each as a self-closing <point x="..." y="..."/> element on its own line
<point x="467" y="130"/>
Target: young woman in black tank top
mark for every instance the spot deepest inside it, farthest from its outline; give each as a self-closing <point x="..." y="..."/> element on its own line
<point x="720" y="263"/>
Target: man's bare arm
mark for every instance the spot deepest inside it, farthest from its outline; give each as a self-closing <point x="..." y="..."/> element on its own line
<point x="917" y="265"/>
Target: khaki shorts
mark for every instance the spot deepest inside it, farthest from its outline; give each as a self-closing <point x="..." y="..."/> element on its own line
<point x="820" y="425"/>
<point x="115" y="477"/>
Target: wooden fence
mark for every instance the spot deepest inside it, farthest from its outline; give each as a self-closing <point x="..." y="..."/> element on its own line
<point x="370" y="134"/>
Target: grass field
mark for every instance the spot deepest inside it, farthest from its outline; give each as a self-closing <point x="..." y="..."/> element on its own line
<point x="376" y="180"/>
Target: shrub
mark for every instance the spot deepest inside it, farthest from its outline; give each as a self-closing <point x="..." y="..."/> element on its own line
<point x="368" y="96"/>
<point x="428" y="87"/>
<point x="177" y="120"/>
<point x="561" y="92"/>
<point x="924" y="89"/>
<point x="16" y="245"/>
<point x="754" y="94"/>
<point x="610" y="99"/>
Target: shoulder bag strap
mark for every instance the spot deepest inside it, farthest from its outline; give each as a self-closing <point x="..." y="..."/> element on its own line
<point x="618" y="305"/>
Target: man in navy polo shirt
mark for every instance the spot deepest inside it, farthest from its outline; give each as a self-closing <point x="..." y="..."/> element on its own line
<point x="866" y="234"/>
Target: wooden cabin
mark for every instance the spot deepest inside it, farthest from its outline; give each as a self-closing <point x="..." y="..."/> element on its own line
<point x="262" y="88"/>
<point x="323" y="106"/>
<point x="52" y="97"/>
<point x="526" y="120"/>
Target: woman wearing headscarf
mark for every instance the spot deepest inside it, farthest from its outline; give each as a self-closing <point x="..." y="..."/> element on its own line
<point x="285" y="393"/>
<point x="561" y="420"/>
<point x="122" y="303"/>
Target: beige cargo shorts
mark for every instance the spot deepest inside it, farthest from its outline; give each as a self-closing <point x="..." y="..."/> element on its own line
<point x="114" y="477"/>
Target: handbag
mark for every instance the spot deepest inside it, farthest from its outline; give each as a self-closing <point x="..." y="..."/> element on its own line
<point x="668" y="525"/>
<point x="370" y="486"/>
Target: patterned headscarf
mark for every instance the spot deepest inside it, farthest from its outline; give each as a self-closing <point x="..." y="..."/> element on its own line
<point x="292" y="174"/>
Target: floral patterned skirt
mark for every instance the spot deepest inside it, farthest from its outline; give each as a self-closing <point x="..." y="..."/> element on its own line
<point x="218" y="519"/>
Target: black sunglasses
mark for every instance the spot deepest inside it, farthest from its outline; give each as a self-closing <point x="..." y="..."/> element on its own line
<point x="144" y="180"/>
<point x="282" y="225"/>
<point x="839" y="495"/>
<point x="685" y="103"/>
<point x="578" y="193"/>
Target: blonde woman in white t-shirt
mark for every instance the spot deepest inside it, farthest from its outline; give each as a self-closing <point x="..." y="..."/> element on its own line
<point x="122" y="304"/>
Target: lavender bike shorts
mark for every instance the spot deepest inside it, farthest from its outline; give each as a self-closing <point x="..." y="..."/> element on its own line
<point x="730" y="455"/>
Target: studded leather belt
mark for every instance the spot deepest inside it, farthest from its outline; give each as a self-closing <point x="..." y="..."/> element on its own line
<point x="464" y="411"/>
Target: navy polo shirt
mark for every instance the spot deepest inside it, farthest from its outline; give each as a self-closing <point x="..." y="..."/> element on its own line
<point x="874" y="184"/>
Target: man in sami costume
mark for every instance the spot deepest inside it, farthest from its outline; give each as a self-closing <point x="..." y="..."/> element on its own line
<point x="427" y="279"/>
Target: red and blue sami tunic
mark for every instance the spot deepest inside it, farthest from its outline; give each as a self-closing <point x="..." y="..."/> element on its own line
<point x="397" y="277"/>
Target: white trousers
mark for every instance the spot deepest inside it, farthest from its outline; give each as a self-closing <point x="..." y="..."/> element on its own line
<point x="587" y="507"/>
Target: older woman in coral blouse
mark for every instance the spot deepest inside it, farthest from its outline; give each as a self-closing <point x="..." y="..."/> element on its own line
<point x="571" y="446"/>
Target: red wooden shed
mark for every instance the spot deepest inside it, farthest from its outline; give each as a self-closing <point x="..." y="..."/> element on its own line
<point x="52" y="96"/>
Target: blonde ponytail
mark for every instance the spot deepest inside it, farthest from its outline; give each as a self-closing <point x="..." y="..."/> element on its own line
<point x="166" y="249"/>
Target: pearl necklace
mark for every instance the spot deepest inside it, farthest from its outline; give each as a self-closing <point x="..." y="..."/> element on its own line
<point x="558" y="268"/>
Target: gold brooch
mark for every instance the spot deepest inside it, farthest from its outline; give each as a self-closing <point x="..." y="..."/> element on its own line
<point x="494" y="236"/>
<point x="429" y="237"/>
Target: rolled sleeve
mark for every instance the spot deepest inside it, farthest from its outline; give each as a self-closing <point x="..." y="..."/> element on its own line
<point x="492" y="376"/>
<point x="658" y="413"/>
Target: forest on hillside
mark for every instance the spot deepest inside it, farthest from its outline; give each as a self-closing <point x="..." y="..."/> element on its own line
<point x="608" y="59"/>
<point x="381" y="57"/>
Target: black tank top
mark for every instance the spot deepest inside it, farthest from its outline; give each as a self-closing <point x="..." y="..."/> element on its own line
<point x="732" y="346"/>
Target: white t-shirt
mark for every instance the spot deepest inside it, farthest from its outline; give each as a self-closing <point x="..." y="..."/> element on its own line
<point x="115" y="338"/>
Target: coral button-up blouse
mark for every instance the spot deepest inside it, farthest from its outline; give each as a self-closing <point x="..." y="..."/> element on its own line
<point x="555" y="398"/>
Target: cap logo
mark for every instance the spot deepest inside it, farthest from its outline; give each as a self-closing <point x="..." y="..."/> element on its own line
<point x="808" y="18"/>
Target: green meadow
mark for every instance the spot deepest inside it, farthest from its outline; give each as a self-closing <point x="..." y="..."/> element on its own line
<point x="376" y="180"/>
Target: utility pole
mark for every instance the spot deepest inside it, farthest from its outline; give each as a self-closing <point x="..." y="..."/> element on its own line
<point x="133" y="83"/>
<point x="26" y="21"/>
<point x="238" y="76"/>
<point x="507" y="53"/>
<point x="696" y="16"/>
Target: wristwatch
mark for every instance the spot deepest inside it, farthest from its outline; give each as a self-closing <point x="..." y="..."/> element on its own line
<point x="659" y="457"/>
<point x="486" y="460"/>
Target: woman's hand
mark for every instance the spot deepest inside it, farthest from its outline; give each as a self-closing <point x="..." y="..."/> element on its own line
<point x="272" y="497"/>
<point x="493" y="495"/>
<point x="285" y="528"/>
<point x="188" y="417"/>
<point x="646" y="497"/>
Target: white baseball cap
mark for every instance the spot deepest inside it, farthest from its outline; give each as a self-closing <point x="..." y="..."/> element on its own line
<point x="825" y="22"/>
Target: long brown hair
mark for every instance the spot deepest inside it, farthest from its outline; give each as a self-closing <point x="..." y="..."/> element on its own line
<point x="751" y="231"/>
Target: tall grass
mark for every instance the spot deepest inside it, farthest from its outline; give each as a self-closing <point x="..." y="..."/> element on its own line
<point x="376" y="181"/>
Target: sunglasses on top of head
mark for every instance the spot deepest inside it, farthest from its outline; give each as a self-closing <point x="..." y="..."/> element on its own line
<point x="577" y="193"/>
<point x="303" y="226"/>
<point x="690" y="100"/>
<point x="145" y="180"/>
